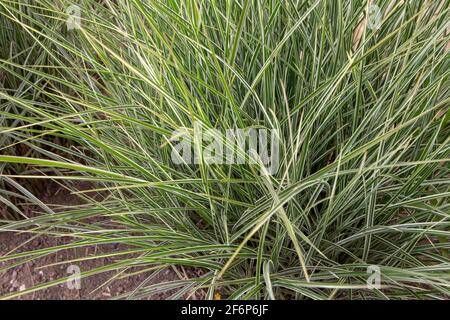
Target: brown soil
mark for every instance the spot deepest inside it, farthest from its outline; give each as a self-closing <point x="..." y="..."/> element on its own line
<point x="38" y="271"/>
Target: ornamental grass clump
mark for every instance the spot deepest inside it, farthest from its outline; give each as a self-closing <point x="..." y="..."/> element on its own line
<point x="346" y="197"/>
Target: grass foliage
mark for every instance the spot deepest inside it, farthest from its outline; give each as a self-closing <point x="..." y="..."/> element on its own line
<point x="362" y="116"/>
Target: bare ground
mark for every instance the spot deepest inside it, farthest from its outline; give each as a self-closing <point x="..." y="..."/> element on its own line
<point x="41" y="270"/>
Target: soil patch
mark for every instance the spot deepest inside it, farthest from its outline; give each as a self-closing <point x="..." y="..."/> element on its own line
<point x="43" y="269"/>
